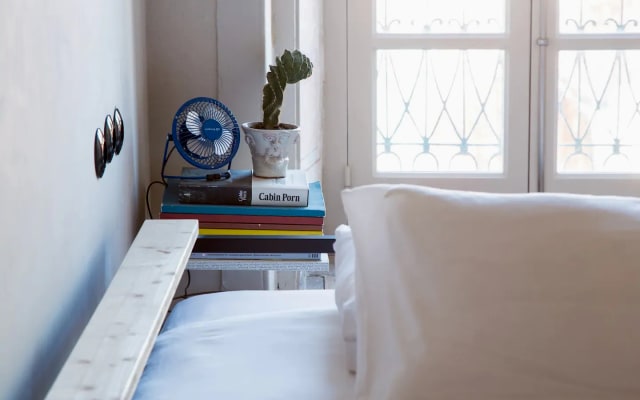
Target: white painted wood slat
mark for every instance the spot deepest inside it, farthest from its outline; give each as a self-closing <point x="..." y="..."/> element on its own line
<point x="111" y="353"/>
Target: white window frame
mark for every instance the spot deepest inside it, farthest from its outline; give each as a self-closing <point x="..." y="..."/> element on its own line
<point x="625" y="184"/>
<point x="360" y="86"/>
<point x="540" y="175"/>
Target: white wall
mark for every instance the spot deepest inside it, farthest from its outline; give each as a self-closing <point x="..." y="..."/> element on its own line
<point x="213" y="49"/>
<point x="64" y="66"/>
<point x="223" y="52"/>
<point x="336" y="109"/>
<point x="251" y="34"/>
<point x="311" y="90"/>
<point x="182" y="63"/>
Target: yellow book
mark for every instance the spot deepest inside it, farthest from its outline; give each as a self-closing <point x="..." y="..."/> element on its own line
<point x="255" y="232"/>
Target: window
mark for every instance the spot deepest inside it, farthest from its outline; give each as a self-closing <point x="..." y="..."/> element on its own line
<point x="439" y="108"/>
<point x="502" y="95"/>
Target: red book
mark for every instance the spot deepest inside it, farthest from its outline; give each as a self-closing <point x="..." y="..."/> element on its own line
<point x="247" y="219"/>
<point x="280" y="227"/>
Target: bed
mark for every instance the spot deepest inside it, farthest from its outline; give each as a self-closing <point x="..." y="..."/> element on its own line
<point x="439" y="294"/>
<point x="260" y="344"/>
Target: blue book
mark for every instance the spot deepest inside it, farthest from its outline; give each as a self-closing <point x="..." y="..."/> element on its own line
<point x="315" y="208"/>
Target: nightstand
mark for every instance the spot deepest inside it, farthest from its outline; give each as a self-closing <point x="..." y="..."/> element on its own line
<point x="308" y="273"/>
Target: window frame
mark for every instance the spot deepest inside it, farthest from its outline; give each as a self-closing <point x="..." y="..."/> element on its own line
<point x="625" y="184"/>
<point x="363" y="41"/>
<point x="540" y="172"/>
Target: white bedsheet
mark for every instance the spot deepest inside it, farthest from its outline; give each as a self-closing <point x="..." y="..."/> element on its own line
<point x="231" y="304"/>
<point x="250" y="345"/>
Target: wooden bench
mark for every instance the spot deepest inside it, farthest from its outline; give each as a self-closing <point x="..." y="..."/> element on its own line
<point x="112" y="351"/>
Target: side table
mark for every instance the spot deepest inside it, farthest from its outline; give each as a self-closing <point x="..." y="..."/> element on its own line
<point x="265" y="244"/>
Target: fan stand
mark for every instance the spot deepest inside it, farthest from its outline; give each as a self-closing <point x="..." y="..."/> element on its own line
<point x="214" y="176"/>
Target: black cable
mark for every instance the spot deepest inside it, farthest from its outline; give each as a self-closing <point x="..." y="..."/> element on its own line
<point x="163" y="182"/>
<point x="188" y="283"/>
<point x="187" y="295"/>
<point x="195" y="294"/>
<point x="165" y="160"/>
<point x="147" y="196"/>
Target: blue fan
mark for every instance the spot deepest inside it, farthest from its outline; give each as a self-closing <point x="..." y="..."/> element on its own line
<point x="205" y="133"/>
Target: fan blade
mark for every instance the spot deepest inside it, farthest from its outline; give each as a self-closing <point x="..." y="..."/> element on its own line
<point x="210" y="112"/>
<point x="223" y="144"/>
<point x="185" y="136"/>
<point x="193" y="123"/>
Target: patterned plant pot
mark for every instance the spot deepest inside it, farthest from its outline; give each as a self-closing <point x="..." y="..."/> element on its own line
<point x="270" y="148"/>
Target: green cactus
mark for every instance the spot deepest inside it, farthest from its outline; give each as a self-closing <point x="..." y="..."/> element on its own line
<point x="291" y="67"/>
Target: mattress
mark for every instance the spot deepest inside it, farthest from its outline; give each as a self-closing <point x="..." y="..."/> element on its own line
<point x="250" y="345"/>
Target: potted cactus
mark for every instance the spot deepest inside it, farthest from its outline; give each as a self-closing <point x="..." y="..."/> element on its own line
<point x="269" y="140"/>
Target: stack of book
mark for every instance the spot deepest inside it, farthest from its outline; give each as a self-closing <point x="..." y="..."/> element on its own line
<point x="251" y="223"/>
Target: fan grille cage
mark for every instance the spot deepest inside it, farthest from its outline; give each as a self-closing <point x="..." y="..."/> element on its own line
<point x="197" y="148"/>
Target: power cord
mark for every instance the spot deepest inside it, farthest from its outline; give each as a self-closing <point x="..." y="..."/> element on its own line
<point x="188" y="284"/>
<point x="163" y="182"/>
<point x="187" y="295"/>
<point x="195" y="294"/>
<point x="147" y="196"/>
<point x="216" y="176"/>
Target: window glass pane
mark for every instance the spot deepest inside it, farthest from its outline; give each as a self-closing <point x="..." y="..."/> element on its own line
<point x="436" y="16"/>
<point x="440" y="111"/>
<point x="598" y="121"/>
<point x="598" y="16"/>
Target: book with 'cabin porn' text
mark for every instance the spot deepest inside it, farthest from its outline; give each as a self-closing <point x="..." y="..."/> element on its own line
<point x="241" y="188"/>
<point x="171" y="205"/>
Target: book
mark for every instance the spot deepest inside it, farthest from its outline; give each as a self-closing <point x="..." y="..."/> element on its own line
<point x="265" y="244"/>
<point x="321" y="265"/>
<point x="246" y="219"/>
<point x="257" y="256"/>
<point x="315" y="207"/>
<point x="243" y="189"/>
<point x="255" y="232"/>
<point x="230" y="225"/>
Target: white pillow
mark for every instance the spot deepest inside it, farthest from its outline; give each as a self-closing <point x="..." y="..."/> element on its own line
<point x="349" y="332"/>
<point x="345" y="291"/>
<point x="345" y="267"/>
<point x="494" y="297"/>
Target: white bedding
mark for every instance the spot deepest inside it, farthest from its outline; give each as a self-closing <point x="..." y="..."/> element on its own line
<point x="250" y="345"/>
<point x="480" y="296"/>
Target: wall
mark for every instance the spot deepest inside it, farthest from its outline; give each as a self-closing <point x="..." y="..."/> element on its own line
<point x="251" y="34"/>
<point x="298" y="24"/>
<point x="243" y="50"/>
<point x="64" y="66"/>
<point x="336" y="109"/>
<point x="223" y="52"/>
<point x="182" y="63"/>
<point x="311" y="91"/>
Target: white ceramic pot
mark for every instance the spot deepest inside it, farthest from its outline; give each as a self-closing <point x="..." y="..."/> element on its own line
<point x="270" y="148"/>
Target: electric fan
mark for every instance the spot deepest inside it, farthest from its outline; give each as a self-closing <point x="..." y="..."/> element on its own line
<point x="205" y="133"/>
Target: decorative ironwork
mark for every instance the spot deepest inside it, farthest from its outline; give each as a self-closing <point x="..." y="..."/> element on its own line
<point x="598" y="120"/>
<point x="443" y="110"/>
<point x="581" y="25"/>
<point x="440" y="110"/>
<point x="434" y="16"/>
<point x="597" y="16"/>
<point x="621" y="24"/>
<point x="598" y="111"/>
